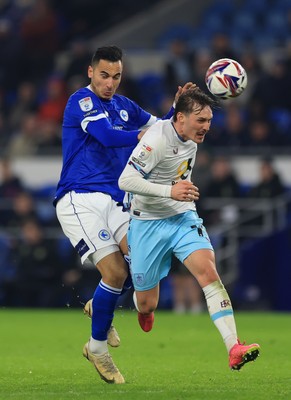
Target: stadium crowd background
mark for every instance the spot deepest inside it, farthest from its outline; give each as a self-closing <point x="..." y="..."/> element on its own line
<point x="45" y="49"/>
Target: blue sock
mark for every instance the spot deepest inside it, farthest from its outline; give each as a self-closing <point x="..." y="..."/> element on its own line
<point x="104" y="302"/>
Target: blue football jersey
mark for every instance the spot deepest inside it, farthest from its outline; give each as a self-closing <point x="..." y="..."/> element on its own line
<point x="98" y="137"/>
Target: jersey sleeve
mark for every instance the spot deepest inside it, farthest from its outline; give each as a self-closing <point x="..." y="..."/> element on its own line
<point x="84" y="110"/>
<point x="101" y="130"/>
<point x="146" y="155"/>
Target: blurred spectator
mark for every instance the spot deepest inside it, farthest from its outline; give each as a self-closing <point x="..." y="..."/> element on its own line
<point x="232" y="133"/>
<point x="252" y="65"/>
<point x="22" y="207"/>
<point x="223" y="184"/>
<point x="201" y="174"/>
<point x="187" y="294"/>
<point x="75" y="83"/>
<point x="201" y="62"/>
<point x="38" y="279"/>
<point x="128" y="86"/>
<point x="11" y="185"/>
<point x="25" y="102"/>
<point x="24" y="141"/>
<point x="79" y="59"/>
<point x="268" y="187"/>
<point x="260" y="135"/>
<point x="55" y="98"/>
<point x="178" y="66"/>
<point x="221" y="47"/>
<point x="50" y="139"/>
<point x="270" y="184"/>
<point x="40" y="35"/>
<point x="7" y="271"/>
<point x="273" y="88"/>
<point x="10" y="67"/>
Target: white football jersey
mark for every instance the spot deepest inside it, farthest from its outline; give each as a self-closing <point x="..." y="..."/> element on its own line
<point x="160" y="160"/>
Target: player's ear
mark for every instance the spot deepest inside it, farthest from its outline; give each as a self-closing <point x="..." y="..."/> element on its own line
<point x="90" y="71"/>
<point x="180" y="117"/>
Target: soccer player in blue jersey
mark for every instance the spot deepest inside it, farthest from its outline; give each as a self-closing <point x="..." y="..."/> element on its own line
<point x="164" y="220"/>
<point x="100" y="129"/>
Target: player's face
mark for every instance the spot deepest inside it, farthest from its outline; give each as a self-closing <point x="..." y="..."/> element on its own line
<point x="195" y="125"/>
<point x="105" y="78"/>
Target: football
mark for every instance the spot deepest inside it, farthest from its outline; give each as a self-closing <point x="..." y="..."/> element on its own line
<point x="226" y="78"/>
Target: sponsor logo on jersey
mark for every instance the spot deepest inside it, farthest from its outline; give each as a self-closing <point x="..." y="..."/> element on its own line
<point x="144" y="152"/>
<point x="86" y="104"/>
<point x="124" y="115"/>
<point x="90" y="113"/>
<point x="175" y="150"/>
<point x="136" y="160"/>
<point x="104" y="234"/>
<point x="184" y="169"/>
<point x="81" y="247"/>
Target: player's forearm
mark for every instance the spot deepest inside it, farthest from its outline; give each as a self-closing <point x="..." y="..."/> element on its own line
<point x="132" y="182"/>
<point x="110" y="137"/>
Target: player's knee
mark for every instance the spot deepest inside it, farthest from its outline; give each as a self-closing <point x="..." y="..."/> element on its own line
<point x="114" y="277"/>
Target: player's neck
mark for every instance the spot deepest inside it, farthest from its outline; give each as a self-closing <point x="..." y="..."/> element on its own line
<point x="177" y="133"/>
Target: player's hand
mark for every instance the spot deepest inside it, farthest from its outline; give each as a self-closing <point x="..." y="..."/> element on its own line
<point x="182" y="89"/>
<point x="185" y="191"/>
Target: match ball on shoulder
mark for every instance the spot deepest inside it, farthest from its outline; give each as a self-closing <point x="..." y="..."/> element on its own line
<point x="226" y="78"/>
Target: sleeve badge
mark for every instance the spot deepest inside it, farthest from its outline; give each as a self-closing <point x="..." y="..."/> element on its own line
<point x="86" y="104"/>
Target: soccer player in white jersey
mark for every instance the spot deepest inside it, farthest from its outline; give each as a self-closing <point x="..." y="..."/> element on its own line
<point x="164" y="220"/>
<point x="100" y="129"/>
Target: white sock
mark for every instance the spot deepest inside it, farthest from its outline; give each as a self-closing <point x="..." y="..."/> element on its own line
<point x="98" y="346"/>
<point x="135" y="301"/>
<point x="221" y="312"/>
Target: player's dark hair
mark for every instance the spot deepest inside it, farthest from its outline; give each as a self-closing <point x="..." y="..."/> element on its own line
<point x="193" y="100"/>
<point x="108" y="53"/>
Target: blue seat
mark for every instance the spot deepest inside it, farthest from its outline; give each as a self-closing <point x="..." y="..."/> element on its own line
<point x="255" y="7"/>
<point x="282" y="5"/>
<point x="151" y="86"/>
<point x="221" y="8"/>
<point x="282" y="119"/>
<point x="276" y="24"/>
<point x="244" y="24"/>
<point x="180" y="31"/>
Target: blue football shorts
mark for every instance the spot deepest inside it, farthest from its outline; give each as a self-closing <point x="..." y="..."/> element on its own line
<point x="151" y="244"/>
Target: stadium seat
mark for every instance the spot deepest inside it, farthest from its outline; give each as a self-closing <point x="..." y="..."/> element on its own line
<point x="244" y="24"/>
<point x="282" y="119"/>
<point x="222" y="8"/>
<point x="151" y="87"/>
<point x="182" y="32"/>
<point x="256" y="7"/>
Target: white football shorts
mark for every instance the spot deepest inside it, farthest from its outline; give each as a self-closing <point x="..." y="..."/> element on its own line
<point x="93" y="222"/>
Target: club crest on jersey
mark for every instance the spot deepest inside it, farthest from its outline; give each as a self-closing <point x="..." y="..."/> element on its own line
<point x="124" y="115"/>
<point x="144" y="152"/>
<point x="86" y="104"/>
<point x="138" y="278"/>
<point x="104" y="234"/>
